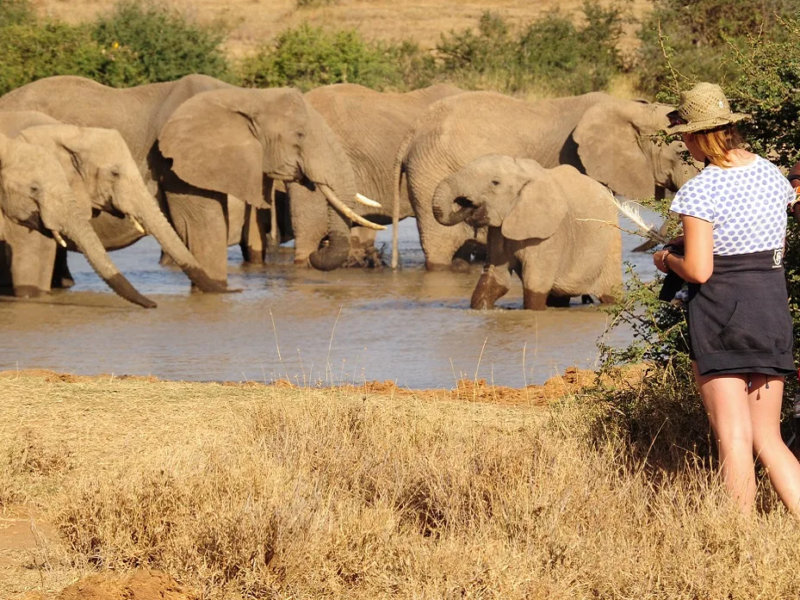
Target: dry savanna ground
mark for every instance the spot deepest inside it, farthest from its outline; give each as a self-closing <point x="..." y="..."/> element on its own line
<point x="130" y="488"/>
<point x="255" y="22"/>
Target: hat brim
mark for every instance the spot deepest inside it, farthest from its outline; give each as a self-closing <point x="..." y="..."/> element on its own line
<point x="707" y="124"/>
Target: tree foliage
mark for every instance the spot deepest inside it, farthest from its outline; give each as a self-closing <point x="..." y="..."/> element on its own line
<point x="693" y="39"/>
<point x="551" y="54"/>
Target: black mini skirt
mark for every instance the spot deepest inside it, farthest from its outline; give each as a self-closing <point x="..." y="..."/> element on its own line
<point x="739" y="319"/>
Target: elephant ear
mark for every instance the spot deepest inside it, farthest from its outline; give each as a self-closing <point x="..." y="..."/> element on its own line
<point x="538" y="211"/>
<point x="215" y="146"/>
<point x="608" y="145"/>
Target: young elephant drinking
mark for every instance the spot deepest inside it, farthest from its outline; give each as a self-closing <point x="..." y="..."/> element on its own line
<point x="553" y="227"/>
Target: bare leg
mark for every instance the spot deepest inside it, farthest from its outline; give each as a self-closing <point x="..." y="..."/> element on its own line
<point x="725" y="398"/>
<point x="765" y="415"/>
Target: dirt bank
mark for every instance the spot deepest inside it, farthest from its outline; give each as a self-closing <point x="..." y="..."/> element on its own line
<point x="572" y="381"/>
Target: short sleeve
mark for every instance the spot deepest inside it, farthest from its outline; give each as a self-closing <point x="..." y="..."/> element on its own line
<point x="693" y="200"/>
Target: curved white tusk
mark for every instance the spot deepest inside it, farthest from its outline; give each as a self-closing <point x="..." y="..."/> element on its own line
<point x="57" y="237"/>
<point x="347" y="212"/>
<point x="137" y="224"/>
<point x="367" y="201"/>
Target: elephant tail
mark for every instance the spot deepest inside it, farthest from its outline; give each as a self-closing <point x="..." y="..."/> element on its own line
<point x="397" y="178"/>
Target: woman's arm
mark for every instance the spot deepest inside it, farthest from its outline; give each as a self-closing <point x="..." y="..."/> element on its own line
<point x="697" y="264"/>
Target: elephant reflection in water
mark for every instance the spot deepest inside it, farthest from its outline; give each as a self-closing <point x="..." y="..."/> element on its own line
<point x="553" y="227"/>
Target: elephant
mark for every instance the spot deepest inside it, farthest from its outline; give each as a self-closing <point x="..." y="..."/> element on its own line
<point x="35" y="193"/>
<point x="104" y="177"/>
<point x="371" y="126"/>
<point x="610" y="140"/>
<point x="554" y="227"/>
<point x="199" y="140"/>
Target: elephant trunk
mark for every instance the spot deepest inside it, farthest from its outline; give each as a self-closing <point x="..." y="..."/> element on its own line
<point x="446" y="203"/>
<point x="156" y="224"/>
<point x="89" y="244"/>
<point x="327" y="165"/>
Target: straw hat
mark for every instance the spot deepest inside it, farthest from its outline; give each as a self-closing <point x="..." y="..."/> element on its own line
<point x="701" y="108"/>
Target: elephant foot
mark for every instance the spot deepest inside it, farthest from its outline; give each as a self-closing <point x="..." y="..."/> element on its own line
<point x="63" y="283"/>
<point x="558" y="301"/>
<point x="459" y="265"/>
<point x="534" y="300"/>
<point x="607" y="299"/>
<point x="28" y="291"/>
<point x="253" y="256"/>
<point x="587" y="299"/>
<point x="486" y="293"/>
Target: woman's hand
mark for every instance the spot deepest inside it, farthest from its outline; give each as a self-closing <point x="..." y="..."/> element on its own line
<point x="658" y="260"/>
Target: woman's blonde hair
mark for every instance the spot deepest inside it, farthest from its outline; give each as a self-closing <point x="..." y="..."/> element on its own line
<point x="716" y="143"/>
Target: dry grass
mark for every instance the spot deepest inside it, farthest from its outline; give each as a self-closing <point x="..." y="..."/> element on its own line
<point x="278" y="493"/>
<point x="255" y="22"/>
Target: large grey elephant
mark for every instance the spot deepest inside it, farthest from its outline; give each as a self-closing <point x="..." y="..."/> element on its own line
<point x="200" y="140"/>
<point x="553" y="227"/>
<point x="611" y="140"/>
<point x="104" y="177"/>
<point x="370" y="126"/>
<point x="35" y="194"/>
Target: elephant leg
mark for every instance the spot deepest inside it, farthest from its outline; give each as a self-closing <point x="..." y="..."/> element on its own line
<point x="200" y="220"/>
<point x="493" y="285"/>
<point x="62" y="278"/>
<point x="235" y="215"/>
<point x="254" y="235"/>
<point x="558" y="301"/>
<point x="538" y="277"/>
<point x="496" y="278"/>
<point x="5" y="264"/>
<point x="32" y="258"/>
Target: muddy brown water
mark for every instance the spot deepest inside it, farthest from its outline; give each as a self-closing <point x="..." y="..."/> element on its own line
<point x="410" y="326"/>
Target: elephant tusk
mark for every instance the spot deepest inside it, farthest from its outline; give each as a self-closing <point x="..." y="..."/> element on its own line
<point x="347" y="212"/>
<point x="136" y="224"/>
<point x="57" y="237"/>
<point x="367" y="202"/>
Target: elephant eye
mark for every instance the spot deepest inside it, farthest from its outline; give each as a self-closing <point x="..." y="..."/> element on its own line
<point x="495" y="182"/>
<point x="115" y="172"/>
<point x="35" y="189"/>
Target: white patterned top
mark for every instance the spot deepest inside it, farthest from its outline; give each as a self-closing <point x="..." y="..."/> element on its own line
<point x="746" y="204"/>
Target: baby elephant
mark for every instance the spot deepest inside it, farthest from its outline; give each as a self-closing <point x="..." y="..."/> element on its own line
<point x="553" y="227"/>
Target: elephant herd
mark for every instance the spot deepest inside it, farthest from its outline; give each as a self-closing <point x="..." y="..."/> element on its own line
<point x="201" y="165"/>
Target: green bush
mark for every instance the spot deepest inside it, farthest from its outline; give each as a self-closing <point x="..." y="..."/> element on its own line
<point x="31" y="51"/>
<point x="15" y="12"/>
<point x="166" y="45"/>
<point x="308" y="56"/>
<point x="698" y="37"/>
<point x="552" y="54"/>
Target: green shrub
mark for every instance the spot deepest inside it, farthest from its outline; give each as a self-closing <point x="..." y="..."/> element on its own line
<point x="311" y="56"/>
<point x="31" y="51"/>
<point x="551" y="54"/>
<point x="15" y="12"/>
<point x="166" y="45"/>
<point x="698" y="38"/>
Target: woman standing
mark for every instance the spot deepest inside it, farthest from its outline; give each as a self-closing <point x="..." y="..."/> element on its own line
<point x="734" y="224"/>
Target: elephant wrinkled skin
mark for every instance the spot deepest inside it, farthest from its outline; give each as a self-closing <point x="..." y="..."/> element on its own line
<point x="104" y="177"/>
<point x="199" y="139"/>
<point x="610" y="140"/>
<point x="371" y="126"/>
<point x="553" y="227"/>
<point x="35" y="198"/>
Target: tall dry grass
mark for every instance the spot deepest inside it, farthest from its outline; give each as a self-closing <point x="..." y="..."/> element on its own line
<point x="315" y="493"/>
